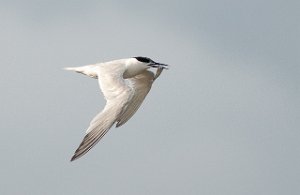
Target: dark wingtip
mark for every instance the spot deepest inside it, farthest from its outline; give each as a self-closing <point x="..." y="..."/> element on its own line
<point x="76" y="154"/>
<point x="74" y="157"/>
<point x="118" y="125"/>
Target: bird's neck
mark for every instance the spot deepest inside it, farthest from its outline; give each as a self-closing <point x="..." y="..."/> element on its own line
<point x="133" y="69"/>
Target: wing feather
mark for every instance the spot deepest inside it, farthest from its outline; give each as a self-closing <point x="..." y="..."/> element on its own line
<point x="123" y="98"/>
<point x="117" y="94"/>
<point x="141" y="85"/>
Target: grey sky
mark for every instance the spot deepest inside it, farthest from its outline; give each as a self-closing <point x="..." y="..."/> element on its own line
<point x="223" y="120"/>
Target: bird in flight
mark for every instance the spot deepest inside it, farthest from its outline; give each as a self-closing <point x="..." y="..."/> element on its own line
<point x="124" y="84"/>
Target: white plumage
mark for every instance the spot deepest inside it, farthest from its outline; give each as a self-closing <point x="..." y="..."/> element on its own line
<point x="124" y="84"/>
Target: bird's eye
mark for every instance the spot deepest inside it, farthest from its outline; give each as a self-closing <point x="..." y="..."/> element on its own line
<point x="143" y="59"/>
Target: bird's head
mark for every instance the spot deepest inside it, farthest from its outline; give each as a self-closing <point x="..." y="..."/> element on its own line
<point x="150" y="63"/>
<point x="136" y="65"/>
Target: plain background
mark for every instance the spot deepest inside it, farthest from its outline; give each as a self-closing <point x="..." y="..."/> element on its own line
<point x="223" y="120"/>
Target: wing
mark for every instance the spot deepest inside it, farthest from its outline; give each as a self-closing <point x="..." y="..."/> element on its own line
<point x="117" y="94"/>
<point x="141" y="85"/>
<point x="158" y="72"/>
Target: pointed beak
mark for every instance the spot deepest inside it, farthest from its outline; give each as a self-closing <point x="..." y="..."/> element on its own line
<point x="159" y="65"/>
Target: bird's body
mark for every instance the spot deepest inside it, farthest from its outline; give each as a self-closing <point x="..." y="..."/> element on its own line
<point x="124" y="84"/>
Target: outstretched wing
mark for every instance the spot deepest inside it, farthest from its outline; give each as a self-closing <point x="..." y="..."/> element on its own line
<point x="141" y="85"/>
<point x="117" y="94"/>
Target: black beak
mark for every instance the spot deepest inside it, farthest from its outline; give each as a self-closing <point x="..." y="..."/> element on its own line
<point x="159" y="65"/>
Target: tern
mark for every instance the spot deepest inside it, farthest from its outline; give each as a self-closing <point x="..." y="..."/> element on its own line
<point x="124" y="84"/>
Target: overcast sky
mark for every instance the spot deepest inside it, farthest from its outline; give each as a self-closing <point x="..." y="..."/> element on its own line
<point x="223" y="120"/>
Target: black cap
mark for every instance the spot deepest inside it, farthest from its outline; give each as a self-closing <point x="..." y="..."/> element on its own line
<point x="143" y="59"/>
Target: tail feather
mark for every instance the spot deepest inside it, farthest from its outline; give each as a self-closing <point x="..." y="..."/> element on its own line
<point x="70" y="68"/>
<point x="89" y="70"/>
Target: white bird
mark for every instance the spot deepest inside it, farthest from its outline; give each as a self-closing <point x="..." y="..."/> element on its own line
<point x="124" y="84"/>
